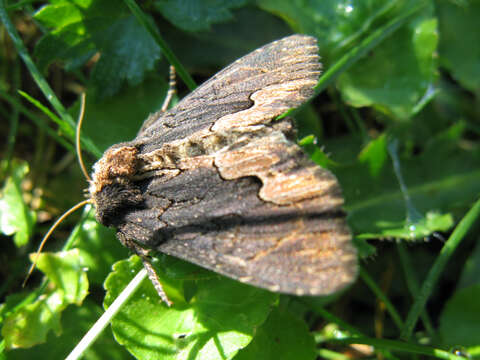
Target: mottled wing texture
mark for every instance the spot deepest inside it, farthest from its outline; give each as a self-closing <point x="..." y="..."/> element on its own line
<point x="219" y="182"/>
<point x="275" y="78"/>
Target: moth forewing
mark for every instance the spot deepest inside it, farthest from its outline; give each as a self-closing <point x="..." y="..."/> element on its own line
<point x="218" y="182"/>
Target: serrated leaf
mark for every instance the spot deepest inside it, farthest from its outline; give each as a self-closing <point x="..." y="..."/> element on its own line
<point x="439" y="181"/>
<point x="16" y="218"/>
<point x="127" y="56"/>
<point x="30" y="324"/>
<point x="66" y="270"/>
<point x="193" y="15"/>
<point x="459" y="46"/>
<point x="309" y="144"/>
<point x="218" y="320"/>
<point x="226" y="42"/>
<point x="282" y="336"/>
<point x="81" y="28"/>
<point x="419" y="228"/>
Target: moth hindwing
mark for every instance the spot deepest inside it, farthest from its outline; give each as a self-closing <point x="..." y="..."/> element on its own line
<point x="219" y="182"/>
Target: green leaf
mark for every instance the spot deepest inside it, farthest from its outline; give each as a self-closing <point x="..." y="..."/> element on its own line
<point x="460" y="320"/>
<point x="419" y="228"/>
<point x="30" y="324"/>
<point x="66" y="270"/>
<point x="282" y="336"/>
<point x="316" y="154"/>
<point x="99" y="247"/>
<point x="471" y="270"/>
<point x="16" y="218"/>
<point x="192" y="15"/>
<point x="459" y="46"/>
<point x="439" y="181"/>
<point x="76" y="321"/>
<point x="375" y="155"/>
<point x="81" y="28"/>
<point x="396" y="75"/>
<point x="218" y="318"/>
<point x="226" y="42"/>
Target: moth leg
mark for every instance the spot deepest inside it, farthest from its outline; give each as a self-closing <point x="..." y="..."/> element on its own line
<point x="152" y="275"/>
<point x="171" y="89"/>
<point x="144" y="255"/>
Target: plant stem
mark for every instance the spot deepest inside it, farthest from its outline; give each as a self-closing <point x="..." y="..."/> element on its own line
<point x="438" y="267"/>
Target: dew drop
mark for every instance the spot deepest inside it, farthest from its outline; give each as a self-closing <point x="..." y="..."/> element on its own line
<point x="460" y="351"/>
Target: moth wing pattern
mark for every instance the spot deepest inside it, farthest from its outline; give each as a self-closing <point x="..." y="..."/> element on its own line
<point x="290" y="62"/>
<point x="217" y="182"/>
<point x="285" y="232"/>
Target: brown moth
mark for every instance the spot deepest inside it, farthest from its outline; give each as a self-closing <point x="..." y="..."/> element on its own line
<point x="219" y="182"/>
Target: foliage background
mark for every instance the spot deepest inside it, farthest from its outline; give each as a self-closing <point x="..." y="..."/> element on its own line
<point x="396" y="119"/>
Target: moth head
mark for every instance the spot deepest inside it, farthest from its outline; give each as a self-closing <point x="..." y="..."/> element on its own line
<point x="111" y="188"/>
<point x="117" y="165"/>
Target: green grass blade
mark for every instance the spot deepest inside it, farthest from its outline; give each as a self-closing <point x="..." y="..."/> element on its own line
<point x="380" y="295"/>
<point x="172" y="59"/>
<point x="431" y="280"/>
<point x="366" y="45"/>
<point x="320" y="310"/>
<point x="412" y="284"/>
<point x="39" y="121"/>
<point x="401" y="346"/>
<point x="65" y="121"/>
<point x="13" y="128"/>
<point x="67" y="124"/>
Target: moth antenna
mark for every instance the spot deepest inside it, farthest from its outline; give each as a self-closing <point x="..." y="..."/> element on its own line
<point x="171" y="89"/>
<point x="77" y="138"/>
<point x="75" y="207"/>
<point x="47" y="235"/>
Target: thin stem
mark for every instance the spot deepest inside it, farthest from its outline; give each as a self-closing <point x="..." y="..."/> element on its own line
<point x="376" y="37"/>
<point x="412" y="284"/>
<point x="320" y="310"/>
<point x="107" y="316"/>
<point x="331" y="355"/>
<point x="12" y="133"/>
<point x="379" y="294"/>
<point x="431" y="280"/>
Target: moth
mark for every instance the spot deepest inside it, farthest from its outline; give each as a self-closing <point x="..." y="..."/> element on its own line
<point x="220" y="182"/>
